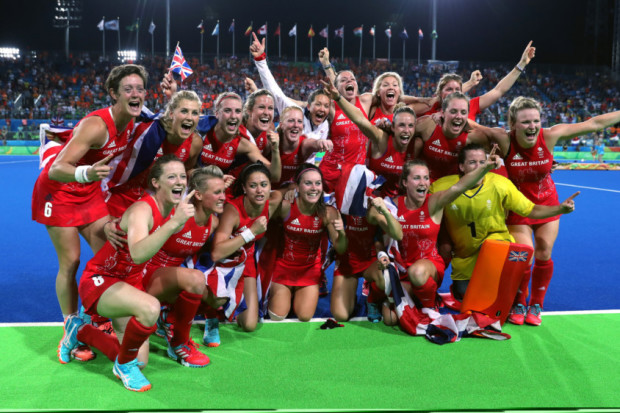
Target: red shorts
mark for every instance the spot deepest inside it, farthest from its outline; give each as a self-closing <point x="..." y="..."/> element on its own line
<point x="66" y="204"/>
<point x="119" y="201"/>
<point x="348" y="265"/>
<point x="92" y="286"/>
<point x="330" y="177"/>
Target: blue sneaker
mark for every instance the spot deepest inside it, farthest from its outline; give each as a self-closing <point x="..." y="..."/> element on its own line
<point x="211" y="335"/>
<point x="188" y="355"/>
<point x="69" y="339"/>
<point x="164" y="328"/>
<point x="85" y="317"/>
<point x="131" y="375"/>
<point x="374" y="314"/>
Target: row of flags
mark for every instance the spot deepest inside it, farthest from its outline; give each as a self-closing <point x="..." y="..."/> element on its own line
<point x="262" y="30"/>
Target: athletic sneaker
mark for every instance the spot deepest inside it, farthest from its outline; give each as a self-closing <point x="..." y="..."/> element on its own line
<point x="69" y="339"/>
<point x="374" y="314"/>
<point x="517" y="314"/>
<point x="188" y="355"/>
<point x="533" y="315"/>
<point x="211" y="336"/>
<point x="86" y="317"/>
<point x="83" y="353"/>
<point x="131" y="375"/>
<point x="164" y="328"/>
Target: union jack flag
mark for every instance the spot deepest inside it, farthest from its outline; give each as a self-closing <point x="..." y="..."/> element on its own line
<point x="57" y="121"/>
<point x="179" y="65"/>
<point x="518" y="256"/>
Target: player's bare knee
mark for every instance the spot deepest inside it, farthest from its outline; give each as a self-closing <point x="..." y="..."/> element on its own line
<point x="275" y="317"/>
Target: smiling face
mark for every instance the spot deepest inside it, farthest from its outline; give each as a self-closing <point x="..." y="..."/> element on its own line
<point x="261" y="115"/>
<point x="257" y="188"/>
<point x="292" y="125"/>
<point x="185" y="118"/>
<point x="229" y="116"/>
<point x="417" y="183"/>
<point x="170" y="185"/>
<point x="347" y="85"/>
<point x="527" y="127"/>
<point x="455" y="117"/>
<point x="130" y="95"/>
<point x="389" y="91"/>
<point x="403" y="128"/>
<point x="450" y="87"/>
<point x="319" y="109"/>
<point x="310" y="187"/>
<point x="213" y="198"/>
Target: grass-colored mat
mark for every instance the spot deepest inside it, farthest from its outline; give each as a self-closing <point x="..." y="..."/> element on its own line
<point x="568" y="362"/>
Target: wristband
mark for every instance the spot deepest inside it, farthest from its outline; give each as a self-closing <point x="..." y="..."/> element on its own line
<point x="81" y="174"/>
<point x="382" y="254"/>
<point x="247" y="235"/>
<point x="329" y="66"/>
<point x="261" y="57"/>
<point x="519" y="68"/>
<point x="338" y="98"/>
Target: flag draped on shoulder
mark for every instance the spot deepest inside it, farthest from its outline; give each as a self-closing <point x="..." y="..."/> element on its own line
<point x="179" y="65"/>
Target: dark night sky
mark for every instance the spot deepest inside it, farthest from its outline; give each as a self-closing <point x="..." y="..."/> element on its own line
<point x="481" y="30"/>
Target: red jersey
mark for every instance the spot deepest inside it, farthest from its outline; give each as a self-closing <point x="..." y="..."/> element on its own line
<point x="474" y="108"/>
<point x="441" y="154"/>
<point x="378" y="115"/>
<point x="184" y="243"/>
<point x="217" y="153"/>
<point x="290" y="163"/>
<point x="118" y="263"/>
<point x="361" y="252"/>
<point x="122" y="196"/>
<point x="530" y="170"/>
<point x="299" y="264"/>
<point x="349" y="145"/>
<point x="389" y="166"/>
<point x="419" y="237"/>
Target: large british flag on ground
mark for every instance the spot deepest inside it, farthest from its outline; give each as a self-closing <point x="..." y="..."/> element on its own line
<point x="179" y="65"/>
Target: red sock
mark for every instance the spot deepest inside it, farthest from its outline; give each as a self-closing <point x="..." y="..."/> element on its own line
<point x="106" y="343"/>
<point x="183" y="310"/>
<point x="522" y="291"/>
<point x="375" y="295"/>
<point x="541" y="277"/>
<point x="426" y="293"/>
<point x="135" y="335"/>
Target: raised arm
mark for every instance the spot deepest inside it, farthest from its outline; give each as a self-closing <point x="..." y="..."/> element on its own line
<point x="330" y="70"/>
<point x="439" y="200"/>
<point x="376" y="135"/>
<point x="506" y="83"/>
<point x="473" y="81"/>
<point x="138" y="222"/>
<point x="257" y="48"/>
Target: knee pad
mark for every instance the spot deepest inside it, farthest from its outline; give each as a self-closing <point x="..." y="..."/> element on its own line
<point x="496" y="277"/>
<point x="275" y="317"/>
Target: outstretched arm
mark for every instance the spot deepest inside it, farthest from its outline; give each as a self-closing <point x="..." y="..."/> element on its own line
<point x="257" y="48"/>
<point x="546" y="211"/>
<point x="570" y="130"/>
<point x="506" y="83"/>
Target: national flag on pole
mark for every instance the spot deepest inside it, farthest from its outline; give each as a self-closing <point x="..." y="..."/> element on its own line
<point x="201" y="27"/>
<point x="216" y="30"/>
<point x="132" y="27"/>
<point x="372" y="31"/>
<point x="420" y="34"/>
<point x="358" y="31"/>
<point x="179" y="65"/>
<point x="277" y="32"/>
<point x="293" y="31"/>
<point x="263" y="30"/>
<point x="248" y="30"/>
<point x="404" y="34"/>
<point x="112" y="25"/>
<point x="311" y="32"/>
<point x="232" y="27"/>
<point x="101" y="25"/>
<point x="434" y="34"/>
<point x="152" y="28"/>
<point x="388" y="32"/>
<point x="339" y="32"/>
<point x="323" y="33"/>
